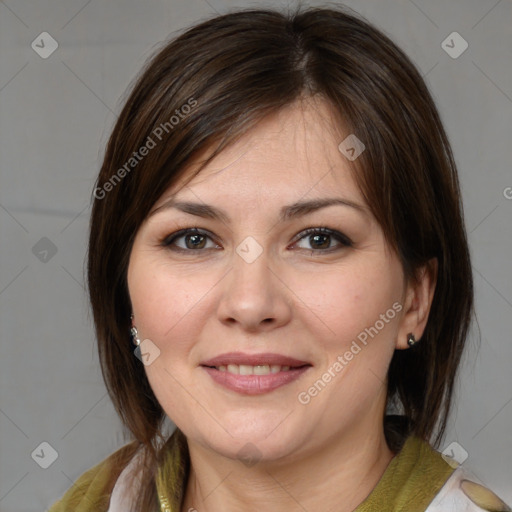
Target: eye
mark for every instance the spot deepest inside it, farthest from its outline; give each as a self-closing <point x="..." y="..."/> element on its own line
<point x="192" y="239"/>
<point x="321" y="239"/>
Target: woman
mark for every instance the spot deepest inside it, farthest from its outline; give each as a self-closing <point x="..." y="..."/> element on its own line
<point x="278" y="226"/>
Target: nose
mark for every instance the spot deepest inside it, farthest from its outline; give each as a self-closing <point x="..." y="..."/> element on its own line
<point x="253" y="296"/>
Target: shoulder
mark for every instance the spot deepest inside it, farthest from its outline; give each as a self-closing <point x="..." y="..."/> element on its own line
<point x="422" y="478"/>
<point x="462" y="493"/>
<point x="457" y="488"/>
<point x="92" y="490"/>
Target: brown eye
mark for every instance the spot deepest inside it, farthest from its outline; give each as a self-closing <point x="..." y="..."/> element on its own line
<point x="320" y="239"/>
<point x="194" y="241"/>
<point x="187" y="240"/>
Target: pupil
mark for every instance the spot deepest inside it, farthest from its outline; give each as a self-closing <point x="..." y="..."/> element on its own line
<point x="316" y="239"/>
<point x="194" y="239"/>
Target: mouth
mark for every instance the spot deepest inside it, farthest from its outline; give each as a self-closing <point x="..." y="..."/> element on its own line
<point x="259" y="369"/>
<point x="254" y="374"/>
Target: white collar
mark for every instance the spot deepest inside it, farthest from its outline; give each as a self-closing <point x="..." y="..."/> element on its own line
<point x="123" y="495"/>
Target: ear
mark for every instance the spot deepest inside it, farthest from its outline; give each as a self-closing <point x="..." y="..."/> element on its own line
<point x="419" y="292"/>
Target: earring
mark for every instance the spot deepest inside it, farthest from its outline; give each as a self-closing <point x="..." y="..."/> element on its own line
<point x="411" y="340"/>
<point x="135" y="336"/>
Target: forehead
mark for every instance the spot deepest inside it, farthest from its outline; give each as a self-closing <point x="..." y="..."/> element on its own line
<point x="288" y="155"/>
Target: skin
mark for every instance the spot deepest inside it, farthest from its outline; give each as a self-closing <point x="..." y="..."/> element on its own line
<point x="298" y="299"/>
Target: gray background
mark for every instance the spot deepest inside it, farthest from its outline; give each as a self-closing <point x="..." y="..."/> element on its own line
<point x="55" y="116"/>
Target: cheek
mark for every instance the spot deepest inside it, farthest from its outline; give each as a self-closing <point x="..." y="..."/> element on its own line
<point x="167" y="309"/>
<point x="343" y="303"/>
<point x="163" y="300"/>
<point x="358" y="310"/>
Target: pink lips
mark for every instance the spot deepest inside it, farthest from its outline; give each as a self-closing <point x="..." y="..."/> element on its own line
<point x="253" y="359"/>
<point x="254" y="384"/>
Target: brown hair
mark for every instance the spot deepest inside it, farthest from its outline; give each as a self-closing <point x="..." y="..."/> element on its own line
<point x="232" y="71"/>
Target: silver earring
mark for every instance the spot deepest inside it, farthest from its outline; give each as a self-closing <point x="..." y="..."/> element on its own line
<point x="135" y="336"/>
<point x="411" y="340"/>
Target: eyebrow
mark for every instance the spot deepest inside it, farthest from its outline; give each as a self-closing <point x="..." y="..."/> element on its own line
<point x="287" y="212"/>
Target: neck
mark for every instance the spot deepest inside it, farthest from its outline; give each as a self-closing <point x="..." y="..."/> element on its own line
<point x="343" y="472"/>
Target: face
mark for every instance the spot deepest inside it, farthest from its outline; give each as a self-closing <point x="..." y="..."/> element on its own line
<point x="269" y="322"/>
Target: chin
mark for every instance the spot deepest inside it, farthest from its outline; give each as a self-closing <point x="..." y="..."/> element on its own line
<point x="260" y="442"/>
<point x="251" y="451"/>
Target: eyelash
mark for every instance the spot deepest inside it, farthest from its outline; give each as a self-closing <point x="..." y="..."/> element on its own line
<point x="344" y="241"/>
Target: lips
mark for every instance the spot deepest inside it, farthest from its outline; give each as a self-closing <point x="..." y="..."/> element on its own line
<point x="239" y="358"/>
<point x="254" y="374"/>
